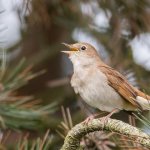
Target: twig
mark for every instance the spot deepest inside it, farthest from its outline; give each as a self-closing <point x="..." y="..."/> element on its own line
<point x="59" y="82"/>
<point x="72" y="140"/>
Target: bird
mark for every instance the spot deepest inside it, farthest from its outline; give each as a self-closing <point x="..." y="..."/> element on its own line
<point x="100" y="85"/>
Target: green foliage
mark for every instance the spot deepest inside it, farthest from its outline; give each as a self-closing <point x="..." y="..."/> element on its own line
<point x="21" y="112"/>
<point x="25" y="101"/>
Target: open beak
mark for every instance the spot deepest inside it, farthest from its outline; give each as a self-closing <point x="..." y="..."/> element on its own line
<point x="72" y="49"/>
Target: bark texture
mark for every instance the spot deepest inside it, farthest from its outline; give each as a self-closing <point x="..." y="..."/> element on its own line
<point x="72" y="140"/>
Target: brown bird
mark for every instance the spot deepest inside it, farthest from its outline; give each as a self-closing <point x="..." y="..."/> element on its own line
<point x="101" y="86"/>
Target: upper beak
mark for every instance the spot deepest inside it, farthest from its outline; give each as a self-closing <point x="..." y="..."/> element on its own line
<point x="71" y="48"/>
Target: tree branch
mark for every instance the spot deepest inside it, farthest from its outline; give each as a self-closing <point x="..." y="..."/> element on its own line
<point x="72" y="140"/>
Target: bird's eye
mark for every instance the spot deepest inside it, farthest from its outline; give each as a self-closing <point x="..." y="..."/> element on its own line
<point x="83" y="48"/>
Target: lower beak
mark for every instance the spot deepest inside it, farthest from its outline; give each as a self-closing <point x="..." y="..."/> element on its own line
<point x="71" y="48"/>
<point x="68" y="52"/>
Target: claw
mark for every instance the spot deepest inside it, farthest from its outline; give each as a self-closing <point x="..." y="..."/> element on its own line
<point x="91" y="117"/>
<point x="88" y="119"/>
<point x="105" y="118"/>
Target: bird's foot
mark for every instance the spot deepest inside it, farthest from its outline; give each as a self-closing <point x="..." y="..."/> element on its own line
<point x="105" y="118"/>
<point x="88" y="119"/>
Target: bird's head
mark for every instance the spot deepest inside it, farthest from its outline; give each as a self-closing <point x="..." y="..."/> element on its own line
<point x="82" y="53"/>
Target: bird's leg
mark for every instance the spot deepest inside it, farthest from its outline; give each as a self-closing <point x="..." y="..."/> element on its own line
<point x="91" y="117"/>
<point x="105" y="118"/>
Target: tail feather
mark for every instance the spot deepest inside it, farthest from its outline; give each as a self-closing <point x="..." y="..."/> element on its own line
<point x="141" y="94"/>
<point x="144" y="102"/>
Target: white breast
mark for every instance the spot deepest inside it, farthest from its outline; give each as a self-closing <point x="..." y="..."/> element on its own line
<point x="94" y="89"/>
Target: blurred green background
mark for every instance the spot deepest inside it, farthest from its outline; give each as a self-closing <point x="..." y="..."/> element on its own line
<point x="31" y="35"/>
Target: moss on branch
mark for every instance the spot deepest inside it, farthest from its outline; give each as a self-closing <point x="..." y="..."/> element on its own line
<point x="72" y="140"/>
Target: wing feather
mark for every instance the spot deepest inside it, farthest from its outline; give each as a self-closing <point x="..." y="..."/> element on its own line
<point x="121" y="85"/>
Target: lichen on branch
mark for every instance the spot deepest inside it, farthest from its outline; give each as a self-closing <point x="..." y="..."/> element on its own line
<point x="72" y="140"/>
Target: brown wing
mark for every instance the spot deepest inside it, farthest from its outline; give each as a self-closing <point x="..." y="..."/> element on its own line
<point x="121" y="85"/>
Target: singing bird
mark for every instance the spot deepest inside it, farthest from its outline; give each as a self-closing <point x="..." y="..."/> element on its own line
<point x="101" y="86"/>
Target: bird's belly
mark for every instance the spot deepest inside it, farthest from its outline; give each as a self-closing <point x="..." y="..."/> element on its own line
<point x="97" y="93"/>
<point x="101" y="96"/>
